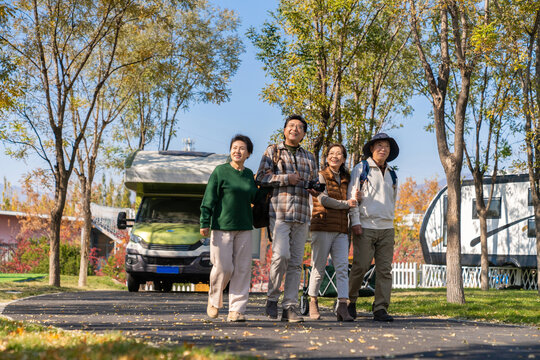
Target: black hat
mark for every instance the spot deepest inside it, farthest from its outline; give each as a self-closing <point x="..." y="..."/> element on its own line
<point x="394" y="148"/>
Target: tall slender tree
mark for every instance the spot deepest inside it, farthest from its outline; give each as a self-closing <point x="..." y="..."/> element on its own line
<point x="518" y="35"/>
<point x="448" y="46"/>
<point x="198" y="52"/>
<point x="529" y="76"/>
<point x="337" y="63"/>
<point x="492" y="104"/>
<point x="53" y="43"/>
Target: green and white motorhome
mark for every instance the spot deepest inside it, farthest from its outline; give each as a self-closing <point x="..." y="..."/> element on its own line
<point x="165" y="245"/>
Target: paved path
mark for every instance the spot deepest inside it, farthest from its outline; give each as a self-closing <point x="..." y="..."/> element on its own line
<point x="179" y="318"/>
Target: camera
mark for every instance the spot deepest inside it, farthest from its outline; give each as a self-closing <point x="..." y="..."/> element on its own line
<point x="315" y="185"/>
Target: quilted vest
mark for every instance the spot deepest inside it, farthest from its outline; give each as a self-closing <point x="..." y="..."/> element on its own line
<point x="331" y="220"/>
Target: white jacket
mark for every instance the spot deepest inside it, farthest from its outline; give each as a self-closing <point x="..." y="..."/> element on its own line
<point x="376" y="209"/>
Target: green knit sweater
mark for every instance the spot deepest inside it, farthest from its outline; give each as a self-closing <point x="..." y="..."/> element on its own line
<point x="227" y="200"/>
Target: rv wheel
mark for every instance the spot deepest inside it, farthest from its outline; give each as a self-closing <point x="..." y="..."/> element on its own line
<point x="132" y="283"/>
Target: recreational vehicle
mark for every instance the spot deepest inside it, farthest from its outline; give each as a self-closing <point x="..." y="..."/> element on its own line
<point x="511" y="228"/>
<point x="165" y="245"/>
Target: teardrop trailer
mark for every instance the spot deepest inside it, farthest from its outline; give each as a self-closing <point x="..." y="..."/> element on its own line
<point x="510" y="225"/>
<point x="165" y="245"/>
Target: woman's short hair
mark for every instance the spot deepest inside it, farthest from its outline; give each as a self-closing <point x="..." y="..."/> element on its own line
<point x="246" y="140"/>
<point x="296" y="117"/>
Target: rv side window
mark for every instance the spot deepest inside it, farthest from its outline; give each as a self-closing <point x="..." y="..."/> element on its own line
<point x="531" y="228"/>
<point x="494" y="211"/>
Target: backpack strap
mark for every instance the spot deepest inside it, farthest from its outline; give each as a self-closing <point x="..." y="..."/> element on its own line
<point x="394" y="177"/>
<point x="276" y="156"/>
<point x="364" y="173"/>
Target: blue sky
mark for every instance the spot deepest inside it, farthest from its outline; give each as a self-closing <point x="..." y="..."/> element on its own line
<point x="212" y="126"/>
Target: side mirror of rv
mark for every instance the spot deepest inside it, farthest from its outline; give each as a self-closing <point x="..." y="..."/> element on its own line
<point x="121" y="221"/>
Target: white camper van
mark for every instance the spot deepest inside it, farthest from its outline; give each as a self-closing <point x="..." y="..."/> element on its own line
<point x="165" y="245"/>
<point x="510" y="225"/>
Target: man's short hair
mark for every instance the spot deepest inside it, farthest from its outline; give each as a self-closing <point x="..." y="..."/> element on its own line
<point x="296" y="117"/>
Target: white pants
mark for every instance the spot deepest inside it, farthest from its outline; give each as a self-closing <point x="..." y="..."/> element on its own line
<point x="230" y="254"/>
<point x="288" y="241"/>
<point x="336" y="244"/>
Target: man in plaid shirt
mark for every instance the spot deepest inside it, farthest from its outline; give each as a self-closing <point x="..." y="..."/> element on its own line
<point x="287" y="167"/>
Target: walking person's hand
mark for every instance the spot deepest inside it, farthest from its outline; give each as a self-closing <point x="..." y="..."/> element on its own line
<point x="313" y="193"/>
<point x="357" y="229"/>
<point x="294" y="179"/>
<point x="358" y="195"/>
<point x="204" y="231"/>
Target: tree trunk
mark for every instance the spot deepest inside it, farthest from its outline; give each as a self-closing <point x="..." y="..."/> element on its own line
<point x="481" y="210"/>
<point x="537" y="222"/>
<point x="83" y="267"/>
<point x="85" y="234"/>
<point x="454" y="282"/>
<point x="484" y="263"/>
<point x="56" y="222"/>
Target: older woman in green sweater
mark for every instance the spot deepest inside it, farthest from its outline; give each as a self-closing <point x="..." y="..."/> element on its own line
<point x="226" y="210"/>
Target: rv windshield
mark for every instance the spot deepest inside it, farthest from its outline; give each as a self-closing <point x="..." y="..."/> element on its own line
<point x="185" y="210"/>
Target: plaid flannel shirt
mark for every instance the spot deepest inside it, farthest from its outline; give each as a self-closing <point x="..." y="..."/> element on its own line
<point x="289" y="203"/>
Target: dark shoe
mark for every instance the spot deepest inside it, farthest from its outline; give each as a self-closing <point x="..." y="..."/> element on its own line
<point x="271" y="309"/>
<point x="342" y="312"/>
<point x="314" y="309"/>
<point x="351" y="308"/>
<point x="291" y="314"/>
<point x="382" y="315"/>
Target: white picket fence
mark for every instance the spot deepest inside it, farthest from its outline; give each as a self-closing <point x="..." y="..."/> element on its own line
<point x="404" y="275"/>
<point x="499" y="277"/>
<point x="408" y="276"/>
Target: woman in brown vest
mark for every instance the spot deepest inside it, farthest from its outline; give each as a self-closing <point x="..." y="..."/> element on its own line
<point x="329" y="230"/>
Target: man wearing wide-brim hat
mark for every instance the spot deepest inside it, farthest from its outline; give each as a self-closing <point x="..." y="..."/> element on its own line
<point x="372" y="222"/>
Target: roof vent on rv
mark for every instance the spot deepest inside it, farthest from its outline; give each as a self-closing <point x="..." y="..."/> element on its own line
<point x="185" y="153"/>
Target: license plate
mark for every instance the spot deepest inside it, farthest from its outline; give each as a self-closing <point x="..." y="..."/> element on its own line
<point x="168" y="270"/>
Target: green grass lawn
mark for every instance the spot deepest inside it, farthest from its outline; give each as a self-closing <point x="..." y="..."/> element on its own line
<point x="12" y="289"/>
<point x="505" y="306"/>
<point x="30" y="341"/>
<point x="24" y="340"/>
